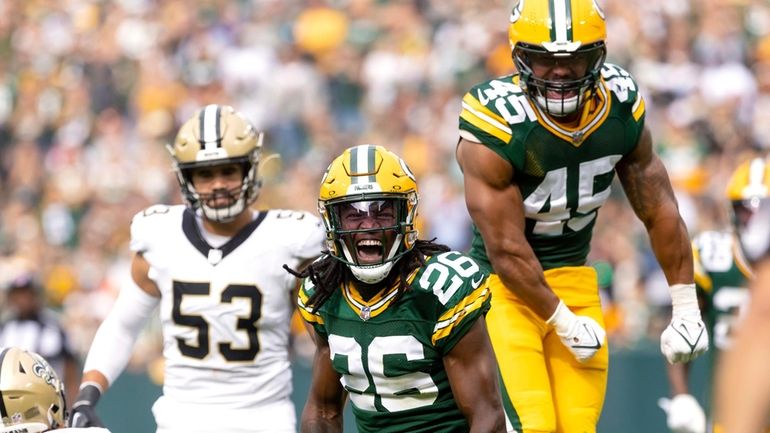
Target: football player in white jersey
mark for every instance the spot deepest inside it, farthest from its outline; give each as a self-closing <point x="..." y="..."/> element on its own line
<point x="214" y="268"/>
<point x="31" y="395"/>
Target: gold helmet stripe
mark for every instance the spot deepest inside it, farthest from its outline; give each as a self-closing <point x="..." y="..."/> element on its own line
<point x="362" y="168"/>
<point x="3" y="410"/>
<point x="210" y="133"/>
<point x="756" y="184"/>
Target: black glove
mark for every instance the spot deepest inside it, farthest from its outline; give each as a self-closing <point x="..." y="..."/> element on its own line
<point x="84" y="409"/>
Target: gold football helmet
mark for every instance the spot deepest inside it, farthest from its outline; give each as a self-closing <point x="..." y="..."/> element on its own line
<point x="558" y="32"/>
<point x="368" y="202"/>
<point x="749" y="194"/>
<point x="32" y="394"/>
<point x="218" y="135"/>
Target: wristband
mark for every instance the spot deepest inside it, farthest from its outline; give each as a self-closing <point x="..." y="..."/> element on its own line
<point x="89" y="394"/>
<point x="684" y="298"/>
<point x="561" y="317"/>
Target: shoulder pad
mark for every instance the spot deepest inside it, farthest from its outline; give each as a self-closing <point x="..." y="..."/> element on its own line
<point x="462" y="290"/>
<point x="149" y="223"/>
<point x="306" y="290"/>
<point x="623" y="86"/>
<point x="307" y="232"/>
<point x="450" y="276"/>
<point x="491" y="108"/>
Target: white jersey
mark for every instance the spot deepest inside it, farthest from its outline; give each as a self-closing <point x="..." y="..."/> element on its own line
<point x="225" y="311"/>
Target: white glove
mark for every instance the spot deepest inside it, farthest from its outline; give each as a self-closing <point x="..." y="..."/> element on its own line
<point x="582" y="335"/>
<point x="683" y="414"/>
<point x="685" y="338"/>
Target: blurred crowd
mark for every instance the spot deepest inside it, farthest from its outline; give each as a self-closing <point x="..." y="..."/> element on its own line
<point x="92" y="90"/>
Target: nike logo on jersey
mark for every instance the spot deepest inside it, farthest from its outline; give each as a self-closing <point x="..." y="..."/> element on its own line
<point x="475" y="284"/>
<point x="596" y="343"/>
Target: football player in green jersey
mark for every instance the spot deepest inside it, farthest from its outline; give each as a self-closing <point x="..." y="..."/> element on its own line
<point x="722" y="274"/>
<point x="397" y="321"/>
<point x="539" y="150"/>
<point x="743" y="384"/>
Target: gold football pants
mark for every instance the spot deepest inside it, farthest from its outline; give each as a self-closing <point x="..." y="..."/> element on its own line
<point x="545" y="389"/>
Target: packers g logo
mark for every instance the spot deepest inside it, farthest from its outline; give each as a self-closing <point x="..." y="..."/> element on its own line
<point x="326" y="173"/>
<point x="516" y="12"/>
<point x="598" y="9"/>
<point x="407" y="170"/>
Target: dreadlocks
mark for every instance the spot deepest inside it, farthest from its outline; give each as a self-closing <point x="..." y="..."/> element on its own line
<point x="328" y="273"/>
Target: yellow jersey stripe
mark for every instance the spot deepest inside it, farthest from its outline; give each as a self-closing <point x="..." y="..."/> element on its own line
<point x="638" y="107"/>
<point x="302" y="296"/>
<point x="485" y="126"/>
<point x="310" y="317"/>
<point x="475" y="106"/>
<point x="451" y="318"/>
<point x="741" y="263"/>
<point x="306" y="312"/>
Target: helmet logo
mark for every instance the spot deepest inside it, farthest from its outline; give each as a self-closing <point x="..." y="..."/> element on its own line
<point x="44" y="372"/>
<point x="407" y="170"/>
<point x="598" y="9"/>
<point x="516" y="12"/>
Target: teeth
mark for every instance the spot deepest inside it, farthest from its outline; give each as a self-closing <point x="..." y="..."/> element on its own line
<point x="369" y="243"/>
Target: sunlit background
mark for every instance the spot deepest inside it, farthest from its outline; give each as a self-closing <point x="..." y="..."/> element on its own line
<point x="90" y="91"/>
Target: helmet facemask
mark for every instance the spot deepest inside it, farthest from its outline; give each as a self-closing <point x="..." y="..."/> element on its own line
<point x="240" y="197"/>
<point x="371" y="232"/>
<point x="560" y="97"/>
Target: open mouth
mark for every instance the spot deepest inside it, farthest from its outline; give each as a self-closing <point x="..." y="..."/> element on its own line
<point x="220" y="203"/>
<point x="369" y="251"/>
<point x="560" y="94"/>
<point x="220" y="199"/>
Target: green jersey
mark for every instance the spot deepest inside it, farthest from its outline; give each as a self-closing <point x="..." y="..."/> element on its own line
<point x="721" y="275"/>
<point x="564" y="174"/>
<point x="390" y="354"/>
